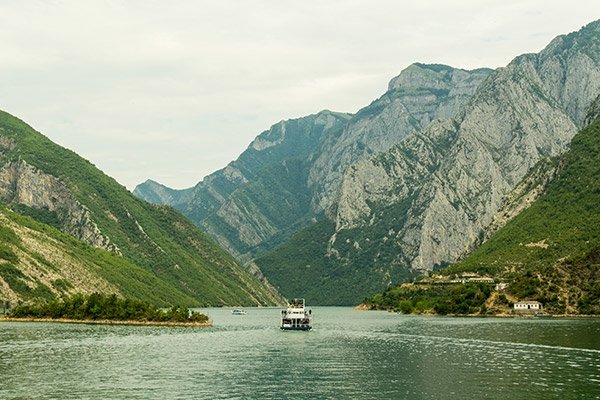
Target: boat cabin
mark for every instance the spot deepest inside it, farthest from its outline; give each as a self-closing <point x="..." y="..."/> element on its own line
<point x="296" y="317"/>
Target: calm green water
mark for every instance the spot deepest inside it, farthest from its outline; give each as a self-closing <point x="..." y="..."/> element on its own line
<point x="349" y="355"/>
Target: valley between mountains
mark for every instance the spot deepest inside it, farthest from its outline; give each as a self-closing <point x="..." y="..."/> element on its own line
<point x="450" y="171"/>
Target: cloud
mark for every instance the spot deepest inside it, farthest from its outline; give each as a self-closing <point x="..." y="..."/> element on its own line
<point x="173" y="91"/>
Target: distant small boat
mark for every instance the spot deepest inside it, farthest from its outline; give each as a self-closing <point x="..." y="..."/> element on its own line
<point x="296" y="318"/>
<point x="237" y="311"/>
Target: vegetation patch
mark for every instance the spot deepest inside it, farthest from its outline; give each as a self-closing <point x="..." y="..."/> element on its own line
<point x="106" y="308"/>
<point x="469" y="298"/>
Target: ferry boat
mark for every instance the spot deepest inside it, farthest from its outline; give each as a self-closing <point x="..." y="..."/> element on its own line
<point x="296" y="317"/>
<point x="237" y="311"/>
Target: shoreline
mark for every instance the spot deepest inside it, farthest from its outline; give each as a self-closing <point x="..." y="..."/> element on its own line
<point x="108" y="322"/>
<point x="363" y="307"/>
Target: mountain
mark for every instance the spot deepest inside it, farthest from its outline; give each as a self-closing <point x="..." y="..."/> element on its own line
<point x="155" y="193"/>
<point x="289" y="174"/>
<point x="262" y="196"/>
<point x="549" y="252"/>
<point x="424" y="202"/>
<point x="57" y="187"/>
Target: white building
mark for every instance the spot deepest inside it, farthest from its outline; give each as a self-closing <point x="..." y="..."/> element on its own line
<point x="528" y="306"/>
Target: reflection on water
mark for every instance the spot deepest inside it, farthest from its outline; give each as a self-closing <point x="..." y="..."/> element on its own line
<point x="349" y="354"/>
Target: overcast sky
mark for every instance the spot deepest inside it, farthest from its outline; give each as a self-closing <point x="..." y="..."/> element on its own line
<point x="174" y="90"/>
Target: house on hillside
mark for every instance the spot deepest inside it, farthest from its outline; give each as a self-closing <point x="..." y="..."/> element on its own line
<point x="527" y="307"/>
<point x="481" y="279"/>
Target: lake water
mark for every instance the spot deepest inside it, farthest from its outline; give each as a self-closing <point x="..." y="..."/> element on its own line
<point x="349" y="355"/>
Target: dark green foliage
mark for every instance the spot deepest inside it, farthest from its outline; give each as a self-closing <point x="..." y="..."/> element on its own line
<point x="105" y="307"/>
<point x="62" y="284"/>
<point x="19" y="283"/>
<point x="302" y="266"/>
<point x="459" y="299"/>
<point x="8" y="236"/>
<point x="8" y="255"/>
<point x="405" y="306"/>
<point x="42" y="215"/>
<point x="14" y="277"/>
<point x="525" y="286"/>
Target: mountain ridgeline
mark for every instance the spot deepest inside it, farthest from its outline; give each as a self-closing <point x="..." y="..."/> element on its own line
<point x="411" y="183"/>
<point x="261" y="198"/>
<point x="69" y="228"/>
<point x="290" y="174"/>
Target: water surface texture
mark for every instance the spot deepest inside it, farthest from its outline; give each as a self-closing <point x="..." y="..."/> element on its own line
<point x="349" y="355"/>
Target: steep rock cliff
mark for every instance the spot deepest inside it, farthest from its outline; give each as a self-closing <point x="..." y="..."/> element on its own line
<point x="23" y="184"/>
<point x="420" y="94"/>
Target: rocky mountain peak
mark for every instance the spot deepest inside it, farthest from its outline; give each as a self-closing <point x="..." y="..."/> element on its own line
<point x="416" y="97"/>
<point x="420" y="76"/>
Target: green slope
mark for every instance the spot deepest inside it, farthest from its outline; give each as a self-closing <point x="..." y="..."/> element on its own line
<point x="40" y="262"/>
<point x="156" y="238"/>
<point x="303" y="267"/>
<point x="563" y="223"/>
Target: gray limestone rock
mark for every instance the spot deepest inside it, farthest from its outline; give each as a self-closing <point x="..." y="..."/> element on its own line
<point x="21" y="183"/>
<point x="420" y="94"/>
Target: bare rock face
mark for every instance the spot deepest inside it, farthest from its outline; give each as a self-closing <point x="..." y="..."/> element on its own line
<point x="460" y="171"/>
<point x="420" y="94"/>
<point x="21" y="183"/>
